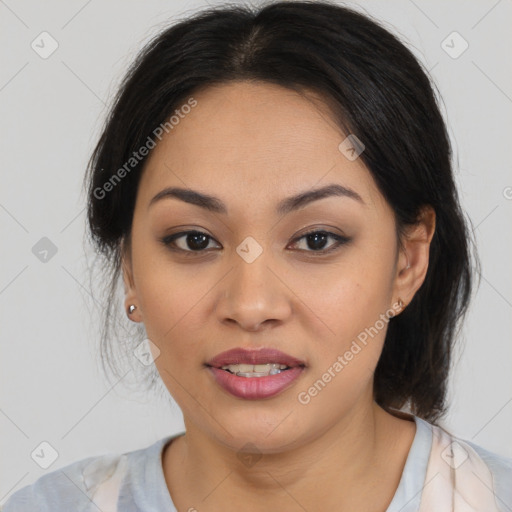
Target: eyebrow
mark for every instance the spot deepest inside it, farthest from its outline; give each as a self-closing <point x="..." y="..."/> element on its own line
<point x="215" y="205"/>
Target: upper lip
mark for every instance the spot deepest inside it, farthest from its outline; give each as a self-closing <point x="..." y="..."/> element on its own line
<point x="250" y="356"/>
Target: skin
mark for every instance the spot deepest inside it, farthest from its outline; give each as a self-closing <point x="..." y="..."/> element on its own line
<point x="251" y="144"/>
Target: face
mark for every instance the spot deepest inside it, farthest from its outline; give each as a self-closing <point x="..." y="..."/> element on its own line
<point x="253" y="277"/>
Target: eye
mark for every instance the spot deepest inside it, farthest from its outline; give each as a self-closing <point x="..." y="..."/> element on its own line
<point x="317" y="240"/>
<point x="193" y="241"/>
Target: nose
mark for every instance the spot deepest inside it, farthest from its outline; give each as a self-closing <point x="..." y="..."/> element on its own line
<point x="254" y="295"/>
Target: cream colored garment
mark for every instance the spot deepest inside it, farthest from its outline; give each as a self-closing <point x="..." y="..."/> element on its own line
<point x="104" y="495"/>
<point x="457" y="479"/>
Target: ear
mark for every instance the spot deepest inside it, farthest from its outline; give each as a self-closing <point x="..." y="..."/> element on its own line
<point x="130" y="294"/>
<point x="413" y="259"/>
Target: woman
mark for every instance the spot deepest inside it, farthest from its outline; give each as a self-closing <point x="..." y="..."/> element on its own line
<point x="274" y="187"/>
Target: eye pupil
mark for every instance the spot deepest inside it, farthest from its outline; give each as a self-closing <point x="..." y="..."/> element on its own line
<point x="194" y="237"/>
<point x="314" y="237"/>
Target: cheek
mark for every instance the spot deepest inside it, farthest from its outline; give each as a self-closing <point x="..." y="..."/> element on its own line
<point x="348" y="306"/>
<point x="344" y="357"/>
<point x="170" y="297"/>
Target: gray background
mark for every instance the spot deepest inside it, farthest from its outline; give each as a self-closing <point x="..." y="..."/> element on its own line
<point x="51" y="386"/>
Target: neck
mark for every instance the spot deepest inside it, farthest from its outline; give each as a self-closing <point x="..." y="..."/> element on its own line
<point x="338" y="466"/>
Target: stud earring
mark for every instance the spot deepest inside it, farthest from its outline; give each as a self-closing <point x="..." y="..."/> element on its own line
<point x="401" y="304"/>
<point x="131" y="309"/>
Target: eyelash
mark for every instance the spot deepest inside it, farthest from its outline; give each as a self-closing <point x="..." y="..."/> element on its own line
<point x="340" y="241"/>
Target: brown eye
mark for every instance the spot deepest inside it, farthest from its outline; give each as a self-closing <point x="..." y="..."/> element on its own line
<point x="193" y="241"/>
<point x="316" y="241"/>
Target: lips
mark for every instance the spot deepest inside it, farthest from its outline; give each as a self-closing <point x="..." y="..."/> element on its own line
<point x="247" y="384"/>
<point x="260" y="356"/>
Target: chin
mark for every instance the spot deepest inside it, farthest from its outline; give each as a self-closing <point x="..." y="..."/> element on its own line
<point x="268" y="433"/>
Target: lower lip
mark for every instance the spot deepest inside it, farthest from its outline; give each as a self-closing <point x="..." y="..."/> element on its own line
<point x="255" y="388"/>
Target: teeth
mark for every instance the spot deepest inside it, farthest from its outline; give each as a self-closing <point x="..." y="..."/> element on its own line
<point x="255" y="370"/>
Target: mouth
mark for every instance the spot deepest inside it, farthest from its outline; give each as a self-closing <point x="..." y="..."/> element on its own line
<point x="255" y="374"/>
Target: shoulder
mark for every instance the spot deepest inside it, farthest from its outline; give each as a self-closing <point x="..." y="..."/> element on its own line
<point x="68" y="488"/>
<point x="501" y="471"/>
<point x="468" y="460"/>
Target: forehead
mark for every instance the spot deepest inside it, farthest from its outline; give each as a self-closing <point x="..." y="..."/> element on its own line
<point x="254" y="136"/>
<point x="258" y="118"/>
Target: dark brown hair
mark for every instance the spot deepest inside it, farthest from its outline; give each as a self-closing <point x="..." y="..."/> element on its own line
<point x="376" y="89"/>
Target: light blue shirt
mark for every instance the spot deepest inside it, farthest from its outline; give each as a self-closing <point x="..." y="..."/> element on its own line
<point x="143" y="487"/>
